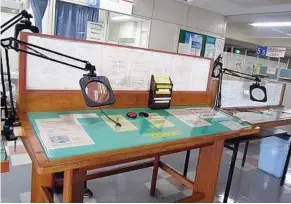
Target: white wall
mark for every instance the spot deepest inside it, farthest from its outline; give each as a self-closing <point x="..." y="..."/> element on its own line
<point x="169" y="16"/>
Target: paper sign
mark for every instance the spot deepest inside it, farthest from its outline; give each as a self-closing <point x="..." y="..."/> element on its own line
<point x="159" y="121"/>
<point x="95" y="31"/>
<point x="277" y="52"/>
<point x="193" y="120"/>
<point x="184" y="48"/>
<point x="57" y="133"/>
<point x="232" y="125"/>
<point x="206" y="112"/>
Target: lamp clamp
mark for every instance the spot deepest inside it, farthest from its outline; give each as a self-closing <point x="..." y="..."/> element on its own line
<point x="25" y="14"/>
<point x="91" y="68"/>
<point x="257" y="80"/>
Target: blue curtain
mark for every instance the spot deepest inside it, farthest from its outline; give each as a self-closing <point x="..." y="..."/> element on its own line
<point x="71" y="19"/>
<point x="38" y="9"/>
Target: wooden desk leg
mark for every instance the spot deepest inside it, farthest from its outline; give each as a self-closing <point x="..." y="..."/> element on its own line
<point x="155" y="176"/>
<point x="37" y="182"/>
<point x="73" y="186"/>
<point x="207" y="171"/>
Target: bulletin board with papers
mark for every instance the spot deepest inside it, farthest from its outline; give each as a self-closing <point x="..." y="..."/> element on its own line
<point x="127" y="68"/>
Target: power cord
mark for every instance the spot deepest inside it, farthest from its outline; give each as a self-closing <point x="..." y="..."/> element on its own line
<point x="116" y="122"/>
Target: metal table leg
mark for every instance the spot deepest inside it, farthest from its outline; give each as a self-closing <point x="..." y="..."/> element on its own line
<point x="186" y="164"/>
<point x="231" y="170"/>
<point x="245" y="154"/>
<point x="286" y="166"/>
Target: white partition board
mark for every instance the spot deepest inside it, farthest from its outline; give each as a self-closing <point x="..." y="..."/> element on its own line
<point x="126" y="68"/>
<point x="236" y="94"/>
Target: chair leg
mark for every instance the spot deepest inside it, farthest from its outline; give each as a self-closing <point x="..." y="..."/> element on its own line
<point x="155" y="176"/>
<point x="186" y="164"/>
<point x="245" y="154"/>
<point x="231" y="170"/>
<point x="286" y="166"/>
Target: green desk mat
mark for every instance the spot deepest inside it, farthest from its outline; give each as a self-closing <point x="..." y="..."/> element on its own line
<point x="106" y="139"/>
<point x="3" y="153"/>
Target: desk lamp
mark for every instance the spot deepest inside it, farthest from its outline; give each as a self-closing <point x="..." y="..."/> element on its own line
<point x="21" y="22"/>
<point x="257" y="92"/>
<point x="95" y="89"/>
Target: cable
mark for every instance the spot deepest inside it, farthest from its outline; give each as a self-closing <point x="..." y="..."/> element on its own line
<point x="9" y="83"/>
<point x="116" y="122"/>
<point x="3" y="90"/>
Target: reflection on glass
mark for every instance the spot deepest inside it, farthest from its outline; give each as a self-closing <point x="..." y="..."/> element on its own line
<point x="128" y="30"/>
<point x="97" y="92"/>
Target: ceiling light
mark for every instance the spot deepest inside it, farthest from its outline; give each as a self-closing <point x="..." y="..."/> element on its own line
<point x="279" y="31"/>
<point x="120" y="18"/>
<point x="271" y="24"/>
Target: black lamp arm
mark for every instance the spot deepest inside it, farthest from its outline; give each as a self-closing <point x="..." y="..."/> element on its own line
<point x="22" y="15"/>
<point x="10" y="43"/>
<point x="255" y="78"/>
<point x="242" y="75"/>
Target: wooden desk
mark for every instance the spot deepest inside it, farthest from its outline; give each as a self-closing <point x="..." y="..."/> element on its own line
<point x="265" y="118"/>
<point x="38" y="98"/>
<point x="210" y="141"/>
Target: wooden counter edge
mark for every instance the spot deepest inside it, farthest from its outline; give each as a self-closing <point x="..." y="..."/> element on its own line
<point x="4" y="166"/>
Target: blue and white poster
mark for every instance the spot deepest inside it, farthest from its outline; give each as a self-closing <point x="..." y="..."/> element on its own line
<point x="209" y="47"/>
<point x="195" y="42"/>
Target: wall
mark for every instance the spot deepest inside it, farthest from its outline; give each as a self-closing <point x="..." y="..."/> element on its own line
<point x="169" y="16"/>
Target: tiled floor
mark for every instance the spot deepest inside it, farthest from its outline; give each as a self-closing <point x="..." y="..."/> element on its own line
<point x="249" y="183"/>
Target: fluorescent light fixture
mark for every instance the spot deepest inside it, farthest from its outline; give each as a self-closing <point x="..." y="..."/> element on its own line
<point x="271" y="24"/>
<point x="279" y="31"/>
<point x="121" y="18"/>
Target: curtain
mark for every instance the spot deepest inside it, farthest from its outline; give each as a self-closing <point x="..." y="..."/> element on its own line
<point x="38" y="9"/>
<point x="71" y="19"/>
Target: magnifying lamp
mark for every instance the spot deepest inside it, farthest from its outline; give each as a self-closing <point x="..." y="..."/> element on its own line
<point x="96" y="90"/>
<point x="258" y="92"/>
<point x="217" y="67"/>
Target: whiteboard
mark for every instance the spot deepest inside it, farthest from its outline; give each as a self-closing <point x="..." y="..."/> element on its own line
<point x="236" y="94"/>
<point x="126" y="68"/>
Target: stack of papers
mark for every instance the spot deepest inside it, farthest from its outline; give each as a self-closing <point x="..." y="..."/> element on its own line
<point x="162" y="79"/>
